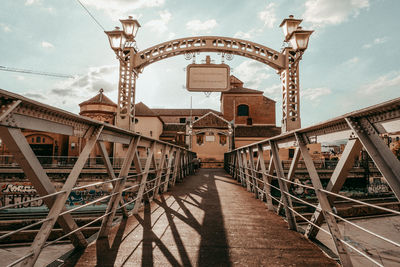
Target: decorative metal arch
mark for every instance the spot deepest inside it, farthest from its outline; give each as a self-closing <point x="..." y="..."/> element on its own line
<point x="234" y="46"/>
<point x="133" y="62"/>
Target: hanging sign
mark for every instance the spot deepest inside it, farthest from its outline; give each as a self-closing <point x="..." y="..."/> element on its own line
<point x="207" y="77"/>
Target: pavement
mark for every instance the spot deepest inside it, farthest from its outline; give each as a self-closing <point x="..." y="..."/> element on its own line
<point x="208" y="220"/>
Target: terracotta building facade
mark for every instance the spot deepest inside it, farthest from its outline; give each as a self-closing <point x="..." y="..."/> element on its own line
<point x="246" y="116"/>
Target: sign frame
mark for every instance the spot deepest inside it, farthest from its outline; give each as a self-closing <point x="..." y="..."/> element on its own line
<point x="221" y="78"/>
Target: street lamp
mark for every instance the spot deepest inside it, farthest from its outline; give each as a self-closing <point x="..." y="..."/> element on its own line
<point x="294" y="34"/>
<point x="298" y="40"/>
<point x="122" y="42"/>
<point x="130" y="27"/>
<point x="116" y="39"/>
<point x="289" y="25"/>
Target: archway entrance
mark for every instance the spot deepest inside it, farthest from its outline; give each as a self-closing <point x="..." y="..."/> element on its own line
<point x="286" y="62"/>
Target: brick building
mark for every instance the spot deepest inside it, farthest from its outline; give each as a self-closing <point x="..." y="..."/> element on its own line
<point x="246" y="116"/>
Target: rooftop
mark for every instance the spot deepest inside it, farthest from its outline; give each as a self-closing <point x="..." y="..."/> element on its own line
<point x="100" y="98"/>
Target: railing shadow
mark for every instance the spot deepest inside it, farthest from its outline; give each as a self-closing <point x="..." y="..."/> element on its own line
<point x="197" y="197"/>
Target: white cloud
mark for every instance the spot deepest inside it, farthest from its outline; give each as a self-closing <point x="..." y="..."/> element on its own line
<point x="351" y="62"/>
<point x="47" y="44"/>
<point x="381" y="84"/>
<point x="327" y="12"/>
<point x="121" y="8"/>
<point x="160" y="25"/>
<point x="315" y="93"/>
<point x="252" y="73"/>
<point x="199" y="26"/>
<point x="5" y="27"/>
<point x="268" y="15"/>
<point x="247" y="35"/>
<point x="242" y="35"/>
<point x="68" y="93"/>
<point x="376" y="41"/>
<point x="273" y="91"/>
<point x="171" y="35"/>
<point x="31" y="2"/>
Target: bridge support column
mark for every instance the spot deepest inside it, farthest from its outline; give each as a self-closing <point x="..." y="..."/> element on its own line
<point x="336" y="182"/>
<point x="59" y="203"/>
<point x="142" y="185"/>
<point x="287" y="202"/>
<point x="252" y="171"/>
<point x="169" y="166"/>
<point x="324" y="202"/>
<point x="115" y="200"/>
<point x="160" y="170"/>
<point x="290" y="91"/>
<point x="267" y="179"/>
<point x="293" y="167"/>
<point x="125" y="117"/>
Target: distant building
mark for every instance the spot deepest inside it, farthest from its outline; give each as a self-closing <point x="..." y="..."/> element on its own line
<point x="246" y="116"/>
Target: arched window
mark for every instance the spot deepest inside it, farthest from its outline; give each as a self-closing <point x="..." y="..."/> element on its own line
<point x="200" y="139"/>
<point x="222" y="139"/>
<point x="243" y="110"/>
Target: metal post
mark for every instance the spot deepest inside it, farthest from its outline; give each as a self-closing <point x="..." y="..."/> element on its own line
<point x="324" y="202"/>
<point x="160" y="170"/>
<point x="336" y="182"/>
<point x="290" y="91"/>
<point x="115" y="200"/>
<point x="142" y="184"/>
<point x="287" y="202"/>
<point x="292" y="170"/>
<point x="59" y="203"/>
<point x="110" y="171"/>
<point x="246" y="170"/>
<point x="253" y="173"/>
<point x="170" y="159"/>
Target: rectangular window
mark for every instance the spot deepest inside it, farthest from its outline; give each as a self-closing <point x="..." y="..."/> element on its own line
<point x="291" y="153"/>
<point x="182" y="120"/>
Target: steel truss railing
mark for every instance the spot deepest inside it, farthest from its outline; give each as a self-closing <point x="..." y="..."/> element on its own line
<point x="363" y="129"/>
<point x="163" y="166"/>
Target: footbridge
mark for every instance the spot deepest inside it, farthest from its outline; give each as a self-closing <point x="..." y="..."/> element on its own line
<point x="157" y="209"/>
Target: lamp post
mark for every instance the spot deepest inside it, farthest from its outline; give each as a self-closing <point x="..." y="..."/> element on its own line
<point x="297" y="38"/>
<point x="124" y="45"/>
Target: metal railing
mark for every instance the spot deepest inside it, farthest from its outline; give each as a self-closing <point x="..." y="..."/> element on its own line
<point x="269" y="183"/>
<point x="164" y="165"/>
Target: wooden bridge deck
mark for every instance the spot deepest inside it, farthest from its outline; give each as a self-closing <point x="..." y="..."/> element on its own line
<point x="208" y="220"/>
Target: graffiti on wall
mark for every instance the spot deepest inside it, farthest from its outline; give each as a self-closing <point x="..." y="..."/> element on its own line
<point x="14" y="193"/>
<point x="19" y="192"/>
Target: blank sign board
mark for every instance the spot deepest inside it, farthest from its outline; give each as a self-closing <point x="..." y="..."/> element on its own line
<point x="207" y="77"/>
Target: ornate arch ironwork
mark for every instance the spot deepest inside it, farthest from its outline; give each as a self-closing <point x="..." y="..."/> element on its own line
<point x="187" y="45"/>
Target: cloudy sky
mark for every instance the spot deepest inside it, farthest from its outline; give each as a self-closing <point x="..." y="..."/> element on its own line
<point x="351" y="62"/>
